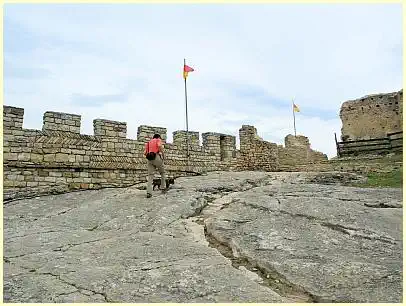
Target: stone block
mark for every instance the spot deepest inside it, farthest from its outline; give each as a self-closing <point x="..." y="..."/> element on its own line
<point x="52" y="173"/>
<point x="51" y="150"/>
<point x="10" y="156"/>
<point x="20" y="184"/>
<point x="60" y="180"/>
<point x="24" y="156"/>
<point x="62" y="157"/>
<point x="111" y="133"/>
<point x="50" y="179"/>
<point x="74" y="186"/>
<point x="49" y="157"/>
<point x="8" y="183"/>
<point x="79" y="158"/>
<point x="37" y="157"/>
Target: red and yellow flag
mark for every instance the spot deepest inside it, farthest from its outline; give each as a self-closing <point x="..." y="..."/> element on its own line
<point x="186" y="70"/>
<point x="295" y="108"/>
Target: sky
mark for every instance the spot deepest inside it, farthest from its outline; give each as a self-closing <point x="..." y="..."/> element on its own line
<point x="124" y="62"/>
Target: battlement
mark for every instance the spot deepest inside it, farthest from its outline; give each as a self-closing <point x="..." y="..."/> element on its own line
<point x="71" y="123"/>
<point x="108" y="128"/>
<point x="12" y="118"/>
<point x="68" y="125"/>
<point x="59" y="158"/>
<point x="180" y="138"/>
<point x="145" y="133"/>
<point x="61" y="122"/>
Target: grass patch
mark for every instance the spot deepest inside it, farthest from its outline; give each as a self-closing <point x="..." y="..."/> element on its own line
<point x="392" y="179"/>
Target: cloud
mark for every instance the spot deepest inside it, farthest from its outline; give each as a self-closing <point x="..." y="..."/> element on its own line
<point x="123" y="62"/>
<point x="97" y="100"/>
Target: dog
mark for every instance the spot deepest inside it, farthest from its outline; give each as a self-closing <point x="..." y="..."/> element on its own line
<point x="157" y="182"/>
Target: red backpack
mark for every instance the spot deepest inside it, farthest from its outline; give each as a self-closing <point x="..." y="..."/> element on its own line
<point x="150" y="155"/>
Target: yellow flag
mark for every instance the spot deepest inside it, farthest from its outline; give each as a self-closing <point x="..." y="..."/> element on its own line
<point x="295" y="108"/>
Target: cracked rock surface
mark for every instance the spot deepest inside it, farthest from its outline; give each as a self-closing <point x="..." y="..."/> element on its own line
<point x="224" y="237"/>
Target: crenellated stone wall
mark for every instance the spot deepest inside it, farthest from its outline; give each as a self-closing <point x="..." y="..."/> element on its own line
<point x="61" y="122"/>
<point x="58" y="158"/>
<point x="256" y="154"/>
<point x="180" y="138"/>
<point x="109" y="129"/>
<point x="145" y="133"/>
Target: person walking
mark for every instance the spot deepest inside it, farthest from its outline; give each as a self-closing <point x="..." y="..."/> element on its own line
<point x="154" y="152"/>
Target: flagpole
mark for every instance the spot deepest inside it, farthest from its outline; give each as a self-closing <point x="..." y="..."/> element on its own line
<point x="294" y="120"/>
<point x="187" y="122"/>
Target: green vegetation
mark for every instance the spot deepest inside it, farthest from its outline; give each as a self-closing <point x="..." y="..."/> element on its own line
<point x="392" y="179"/>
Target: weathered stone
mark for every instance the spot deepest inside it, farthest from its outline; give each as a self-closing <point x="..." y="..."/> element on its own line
<point x="37" y="157"/>
<point x="79" y="158"/>
<point x="8" y="183"/>
<point x="50" y="179"/>
<point x="303" y="242"/>
<point x="51" y="150"/>
<point x="49" y="157"/>
<point x="24" y="156"/>
<point x="324" y="239"/>
<point x="10" y="156"/>
<point x="43" y="173"/>
<point x="372" y="116"/>
<point x="51" y="173"/>
<point x="20" y="178"/>
<point x="62" y="157"/>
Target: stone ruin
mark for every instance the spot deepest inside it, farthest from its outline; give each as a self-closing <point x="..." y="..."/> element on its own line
<point x="372" y="116"/>
<point x="372" y="125"/>
<point x="58" y="158"/>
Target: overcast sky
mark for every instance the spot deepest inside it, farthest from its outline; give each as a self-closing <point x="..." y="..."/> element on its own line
<point x="124" y="63"/>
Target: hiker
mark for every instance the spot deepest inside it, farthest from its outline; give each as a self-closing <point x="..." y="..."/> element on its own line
<point x="155" y="156"/>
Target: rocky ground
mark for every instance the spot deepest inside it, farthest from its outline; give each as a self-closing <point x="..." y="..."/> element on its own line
<point x="224" y="237"/>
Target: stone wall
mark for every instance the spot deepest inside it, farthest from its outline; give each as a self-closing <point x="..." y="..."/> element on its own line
<point x="180" y="139"/>
<point x="145" y="133"/>
<point x="297" y="150"/>
<point x="373" y="116"/>
<point x="58" y="158"/>
<point x="61" y="122"/>
<point x="256" y="154"/>
<point x="360" y="164"/>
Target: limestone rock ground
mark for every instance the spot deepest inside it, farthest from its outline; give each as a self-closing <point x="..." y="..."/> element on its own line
<point x="224" y="237"/>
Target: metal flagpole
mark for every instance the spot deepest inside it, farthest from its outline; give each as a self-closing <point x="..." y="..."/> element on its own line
<point x="187" y="122"/>
<point x="294" y="120"/>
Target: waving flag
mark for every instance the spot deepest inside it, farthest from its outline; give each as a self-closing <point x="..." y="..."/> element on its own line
<point x="295" y="109"/>
<point x="186" y="70"/>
